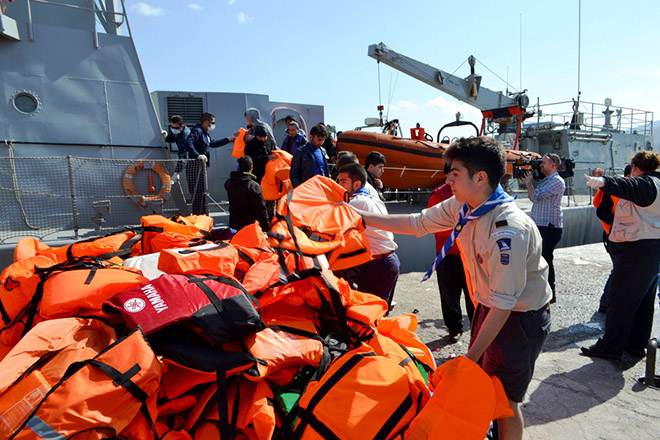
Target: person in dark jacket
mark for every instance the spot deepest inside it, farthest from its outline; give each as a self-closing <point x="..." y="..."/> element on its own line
<point x="246" y="201"/>
<point x="198" y="146"/>
<point x="310" y="159"/>
<point x="634" y="245"/>
<point x="294" y="139"/>
<point x="258" y="151"/>
<point x="252" y="116"/>
<point x="178" y="132"/>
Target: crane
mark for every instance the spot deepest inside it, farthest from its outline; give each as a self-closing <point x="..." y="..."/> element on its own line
<point x="496" y="107"/>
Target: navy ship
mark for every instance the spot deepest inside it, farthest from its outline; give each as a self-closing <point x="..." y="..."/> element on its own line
<point x="81" y="144"/>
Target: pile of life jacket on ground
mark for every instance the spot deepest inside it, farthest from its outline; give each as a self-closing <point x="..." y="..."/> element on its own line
<point x="168" y="331"/>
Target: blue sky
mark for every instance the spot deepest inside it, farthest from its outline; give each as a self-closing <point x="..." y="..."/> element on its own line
<point x="316" y="51"/>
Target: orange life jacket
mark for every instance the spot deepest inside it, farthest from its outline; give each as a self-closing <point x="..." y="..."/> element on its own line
<point x="251" y="244"/>
<point x="189" y="227"/>
<point x="401" y="329"/>
<point x="276" y="181"/>
<point x="598" y="199"/>
<point x="344" y="403"/>
<point x="211" y="258"/>
<point x="83" y="291"/>
<point x="255" y="418"/>
<point x="310" y="220"/>
<point x="463" y="404"/>
<point x="239" y="144"/>
<point x="384" y="346"/>
<point x="77" y="378"/>
<point x="28" y="247"/>
<point x="22" y="282"/>
<point x="285" y="342"/>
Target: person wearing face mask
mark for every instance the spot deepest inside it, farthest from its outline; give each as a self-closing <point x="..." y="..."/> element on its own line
<point x="198" y="146"/>
<point x="178" y="132"/>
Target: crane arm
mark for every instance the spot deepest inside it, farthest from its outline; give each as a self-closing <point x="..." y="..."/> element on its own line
<point x="468" y="90"/>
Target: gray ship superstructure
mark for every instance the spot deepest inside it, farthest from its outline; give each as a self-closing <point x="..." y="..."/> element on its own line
<point x="81" y="144"/>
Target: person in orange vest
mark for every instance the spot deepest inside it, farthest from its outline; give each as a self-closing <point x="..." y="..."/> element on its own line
<point x="451" y="276"/>
<point x="605" y="205"/>
<point x="507" y="276"/>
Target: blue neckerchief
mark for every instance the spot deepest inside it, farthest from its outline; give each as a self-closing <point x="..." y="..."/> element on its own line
<point x="498" y="197"/>
<point x="362" y="191"/>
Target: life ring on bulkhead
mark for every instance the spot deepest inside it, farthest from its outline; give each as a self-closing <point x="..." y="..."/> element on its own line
<point x="129" y="181"/>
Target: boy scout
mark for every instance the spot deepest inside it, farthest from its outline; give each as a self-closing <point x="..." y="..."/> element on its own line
<point x="501" y="251"/>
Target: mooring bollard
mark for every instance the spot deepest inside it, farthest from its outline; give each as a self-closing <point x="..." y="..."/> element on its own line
<point x="651" y="380"/>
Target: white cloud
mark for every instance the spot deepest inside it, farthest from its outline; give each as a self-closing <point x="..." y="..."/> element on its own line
<point x="244" y="18"/>
<point x="195" y="7"/>
<point x="231" y="2"/>
<point x="146" y="9"/>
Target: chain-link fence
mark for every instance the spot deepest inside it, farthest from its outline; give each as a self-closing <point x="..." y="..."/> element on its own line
<point x="40" y="196"/>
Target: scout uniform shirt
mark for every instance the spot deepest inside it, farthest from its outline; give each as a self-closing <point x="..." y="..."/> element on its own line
<point x="501" y="253"/>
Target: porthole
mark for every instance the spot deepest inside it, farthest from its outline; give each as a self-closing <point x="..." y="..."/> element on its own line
<point x="26" y="103"/>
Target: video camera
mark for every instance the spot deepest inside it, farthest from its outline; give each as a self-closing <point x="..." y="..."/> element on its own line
<point x="520" y="168"/>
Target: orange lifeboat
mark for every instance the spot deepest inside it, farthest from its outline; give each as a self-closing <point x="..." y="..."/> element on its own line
<point x="411" y="163"/>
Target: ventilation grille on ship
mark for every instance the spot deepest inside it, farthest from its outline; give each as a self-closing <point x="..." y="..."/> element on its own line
<point x="189" y="108"/>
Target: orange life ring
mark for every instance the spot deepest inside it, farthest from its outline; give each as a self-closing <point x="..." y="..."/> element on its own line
<point x="129" y="181"/>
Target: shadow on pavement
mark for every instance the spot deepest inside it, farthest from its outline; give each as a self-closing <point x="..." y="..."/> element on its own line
<point x="575" y="392"/>
<point x="569" y="337"/>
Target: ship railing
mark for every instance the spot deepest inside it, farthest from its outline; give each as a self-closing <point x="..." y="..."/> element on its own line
<point x="591" y="116"/>
<point x="103" y="16"/>
<point x="43" y="197"/>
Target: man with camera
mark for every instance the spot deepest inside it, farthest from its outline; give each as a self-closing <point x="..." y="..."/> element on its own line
<point x="546" y="209"/>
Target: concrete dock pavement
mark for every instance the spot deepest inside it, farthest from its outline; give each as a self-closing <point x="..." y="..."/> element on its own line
<point x="571" y="396"/>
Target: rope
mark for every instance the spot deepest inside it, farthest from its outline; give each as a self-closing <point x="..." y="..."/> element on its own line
<point x="499" y="77"/>
<point x="14" y="181"/>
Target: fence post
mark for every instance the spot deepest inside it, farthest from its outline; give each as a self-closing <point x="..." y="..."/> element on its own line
<point x="74" y="209"/>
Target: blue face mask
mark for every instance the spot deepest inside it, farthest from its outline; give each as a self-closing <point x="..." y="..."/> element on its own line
<point x="175" y="131"/>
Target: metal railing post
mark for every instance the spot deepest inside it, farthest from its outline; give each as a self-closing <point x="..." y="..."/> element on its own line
<point x="30" y="24"/>
<point x="74" y="209"/>
<point x="96" y="34"/>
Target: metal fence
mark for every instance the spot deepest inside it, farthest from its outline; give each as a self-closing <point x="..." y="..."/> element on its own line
<point x="41" y="196"/>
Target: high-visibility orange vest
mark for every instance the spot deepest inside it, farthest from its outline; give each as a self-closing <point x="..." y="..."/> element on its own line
<point x="276" y="181"/>
<point x="106" y="383"/>
<point x="463" y="404"/>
